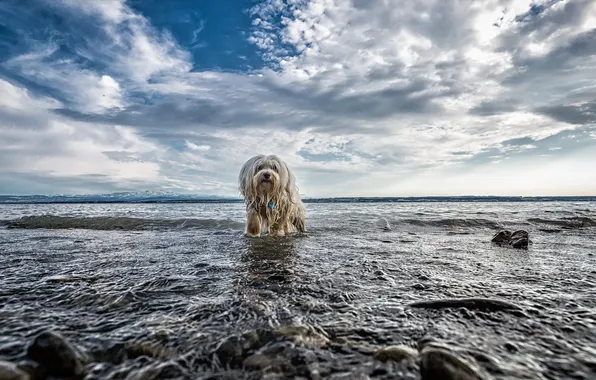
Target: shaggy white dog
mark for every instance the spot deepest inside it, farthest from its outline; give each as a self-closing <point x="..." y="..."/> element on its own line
<point x="273" y="204"/>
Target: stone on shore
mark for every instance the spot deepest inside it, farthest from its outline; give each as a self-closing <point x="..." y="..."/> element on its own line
<point x="10" y="371"/>
<point x="57" y="354"/>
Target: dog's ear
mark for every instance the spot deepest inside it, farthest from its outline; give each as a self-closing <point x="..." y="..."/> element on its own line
<point x="245" y="177"/>
<point x="289" y="180"/>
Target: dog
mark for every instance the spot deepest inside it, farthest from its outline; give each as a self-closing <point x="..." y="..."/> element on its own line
<point x="273" y="204"/>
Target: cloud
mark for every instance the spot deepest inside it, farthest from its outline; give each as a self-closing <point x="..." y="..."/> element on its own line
<point x="352" y="94"/>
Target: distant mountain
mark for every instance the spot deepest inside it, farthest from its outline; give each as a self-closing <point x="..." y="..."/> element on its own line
<point x="167" y="197"/>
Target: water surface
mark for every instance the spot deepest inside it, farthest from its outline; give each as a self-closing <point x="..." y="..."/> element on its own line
<point x="177" y="288"/>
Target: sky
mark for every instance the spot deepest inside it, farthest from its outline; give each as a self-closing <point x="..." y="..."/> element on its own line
<point x="359" y="97"/>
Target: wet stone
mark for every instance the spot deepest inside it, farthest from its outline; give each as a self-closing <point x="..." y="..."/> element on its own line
<point x="396" y="353"/>
<point x="33" y="369"/>
<point x="518" y="239"/>
<point x="167" y="370"/>
<point x="57" y="355"/>
<point x="437" y="363"/>
<point x="10" y="371"/>
<point x="256" y="362"/>
<point x="230" y="351"/>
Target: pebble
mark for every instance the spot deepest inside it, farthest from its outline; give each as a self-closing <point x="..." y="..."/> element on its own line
<point x="56" y="354"/>
<point x="396" y="353"/>
<point x="10" y="371"/>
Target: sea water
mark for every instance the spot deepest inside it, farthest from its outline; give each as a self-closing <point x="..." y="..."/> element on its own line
<point x="176" y="289"/>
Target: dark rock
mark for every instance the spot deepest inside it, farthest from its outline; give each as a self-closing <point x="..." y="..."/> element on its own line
<point x="10" y="371"/>
<point x="438" y="363"/>
<point x="167" y="370"/>
<point x="501" y="237"/>
<point x="518" y="239"/>
<point x="230" y="351"/>
<point x="57" y="355"/>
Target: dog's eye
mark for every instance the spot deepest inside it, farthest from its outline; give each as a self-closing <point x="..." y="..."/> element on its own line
<point x="260" y="168"/>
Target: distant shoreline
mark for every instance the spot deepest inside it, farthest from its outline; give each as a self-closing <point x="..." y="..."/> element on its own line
<point x="182" y="199"/>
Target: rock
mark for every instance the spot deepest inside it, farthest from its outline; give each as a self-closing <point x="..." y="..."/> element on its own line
<point x="438" y="363"/>
<point x="256" y="362"/>
<point x="166" y="370"/>
<point x="10" y="371"/>
<point x="304" y="334"/>
<point x="57" y="355"/>
<point x="517" y="239"/>
<point x="396" y="353"/>
<point x="501" y="237"/>
<point x="230" y="351"/>
<point x="33" y="369"/>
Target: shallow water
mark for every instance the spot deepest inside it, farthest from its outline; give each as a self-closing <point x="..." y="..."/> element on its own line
<point x="170" y="289"/>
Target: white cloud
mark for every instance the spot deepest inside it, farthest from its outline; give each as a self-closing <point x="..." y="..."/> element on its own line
<point x="59" y="147"/>
<point x="356" y="93"/>
<point x="133" y="48"/>
<point x="85" y="89"/>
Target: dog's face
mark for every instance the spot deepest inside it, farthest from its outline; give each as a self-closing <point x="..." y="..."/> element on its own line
<point x="264" y="175"/>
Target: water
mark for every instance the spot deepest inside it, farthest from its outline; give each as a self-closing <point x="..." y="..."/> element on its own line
<point x="177" y="291"/>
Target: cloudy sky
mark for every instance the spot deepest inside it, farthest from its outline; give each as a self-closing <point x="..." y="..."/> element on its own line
<point x="360" y="97"/>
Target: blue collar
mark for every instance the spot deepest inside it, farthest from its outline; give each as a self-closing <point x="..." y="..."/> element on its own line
<point x="271" y="205"/>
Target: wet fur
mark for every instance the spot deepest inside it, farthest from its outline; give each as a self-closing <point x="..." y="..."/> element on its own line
<point x="288" y="215"/>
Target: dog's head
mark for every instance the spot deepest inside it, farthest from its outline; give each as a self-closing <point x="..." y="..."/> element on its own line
<point x="264" y="175"/>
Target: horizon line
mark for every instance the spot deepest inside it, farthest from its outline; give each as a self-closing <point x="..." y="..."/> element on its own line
<point x="147" y="197"/>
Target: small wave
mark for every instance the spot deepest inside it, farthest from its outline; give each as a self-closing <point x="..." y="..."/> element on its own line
<point x="470" y="222"/>
<point x="572" y="222"/>
<point x="115" y="223"/>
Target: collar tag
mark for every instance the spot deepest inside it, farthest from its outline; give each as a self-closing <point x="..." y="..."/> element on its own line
<point x="271" y="205"/>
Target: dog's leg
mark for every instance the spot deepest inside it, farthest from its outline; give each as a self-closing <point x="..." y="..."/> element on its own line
<point x="299" y="223"/>
<point x="253" y="223"/>
<point x="278" y="232"/>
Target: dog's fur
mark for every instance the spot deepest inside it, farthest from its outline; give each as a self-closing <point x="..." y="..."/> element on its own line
<point x="266" y="179"/>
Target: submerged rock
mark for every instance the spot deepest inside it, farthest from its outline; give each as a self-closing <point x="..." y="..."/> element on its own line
<point x="473" y="303"/>
<point x="396" y="353"/>
<point x="57" y="355"/>
<point x="516" y="239"/>
<point x="440" y="363"/>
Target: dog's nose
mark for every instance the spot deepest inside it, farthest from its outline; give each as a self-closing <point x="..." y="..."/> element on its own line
<point x="266" y="175"/>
